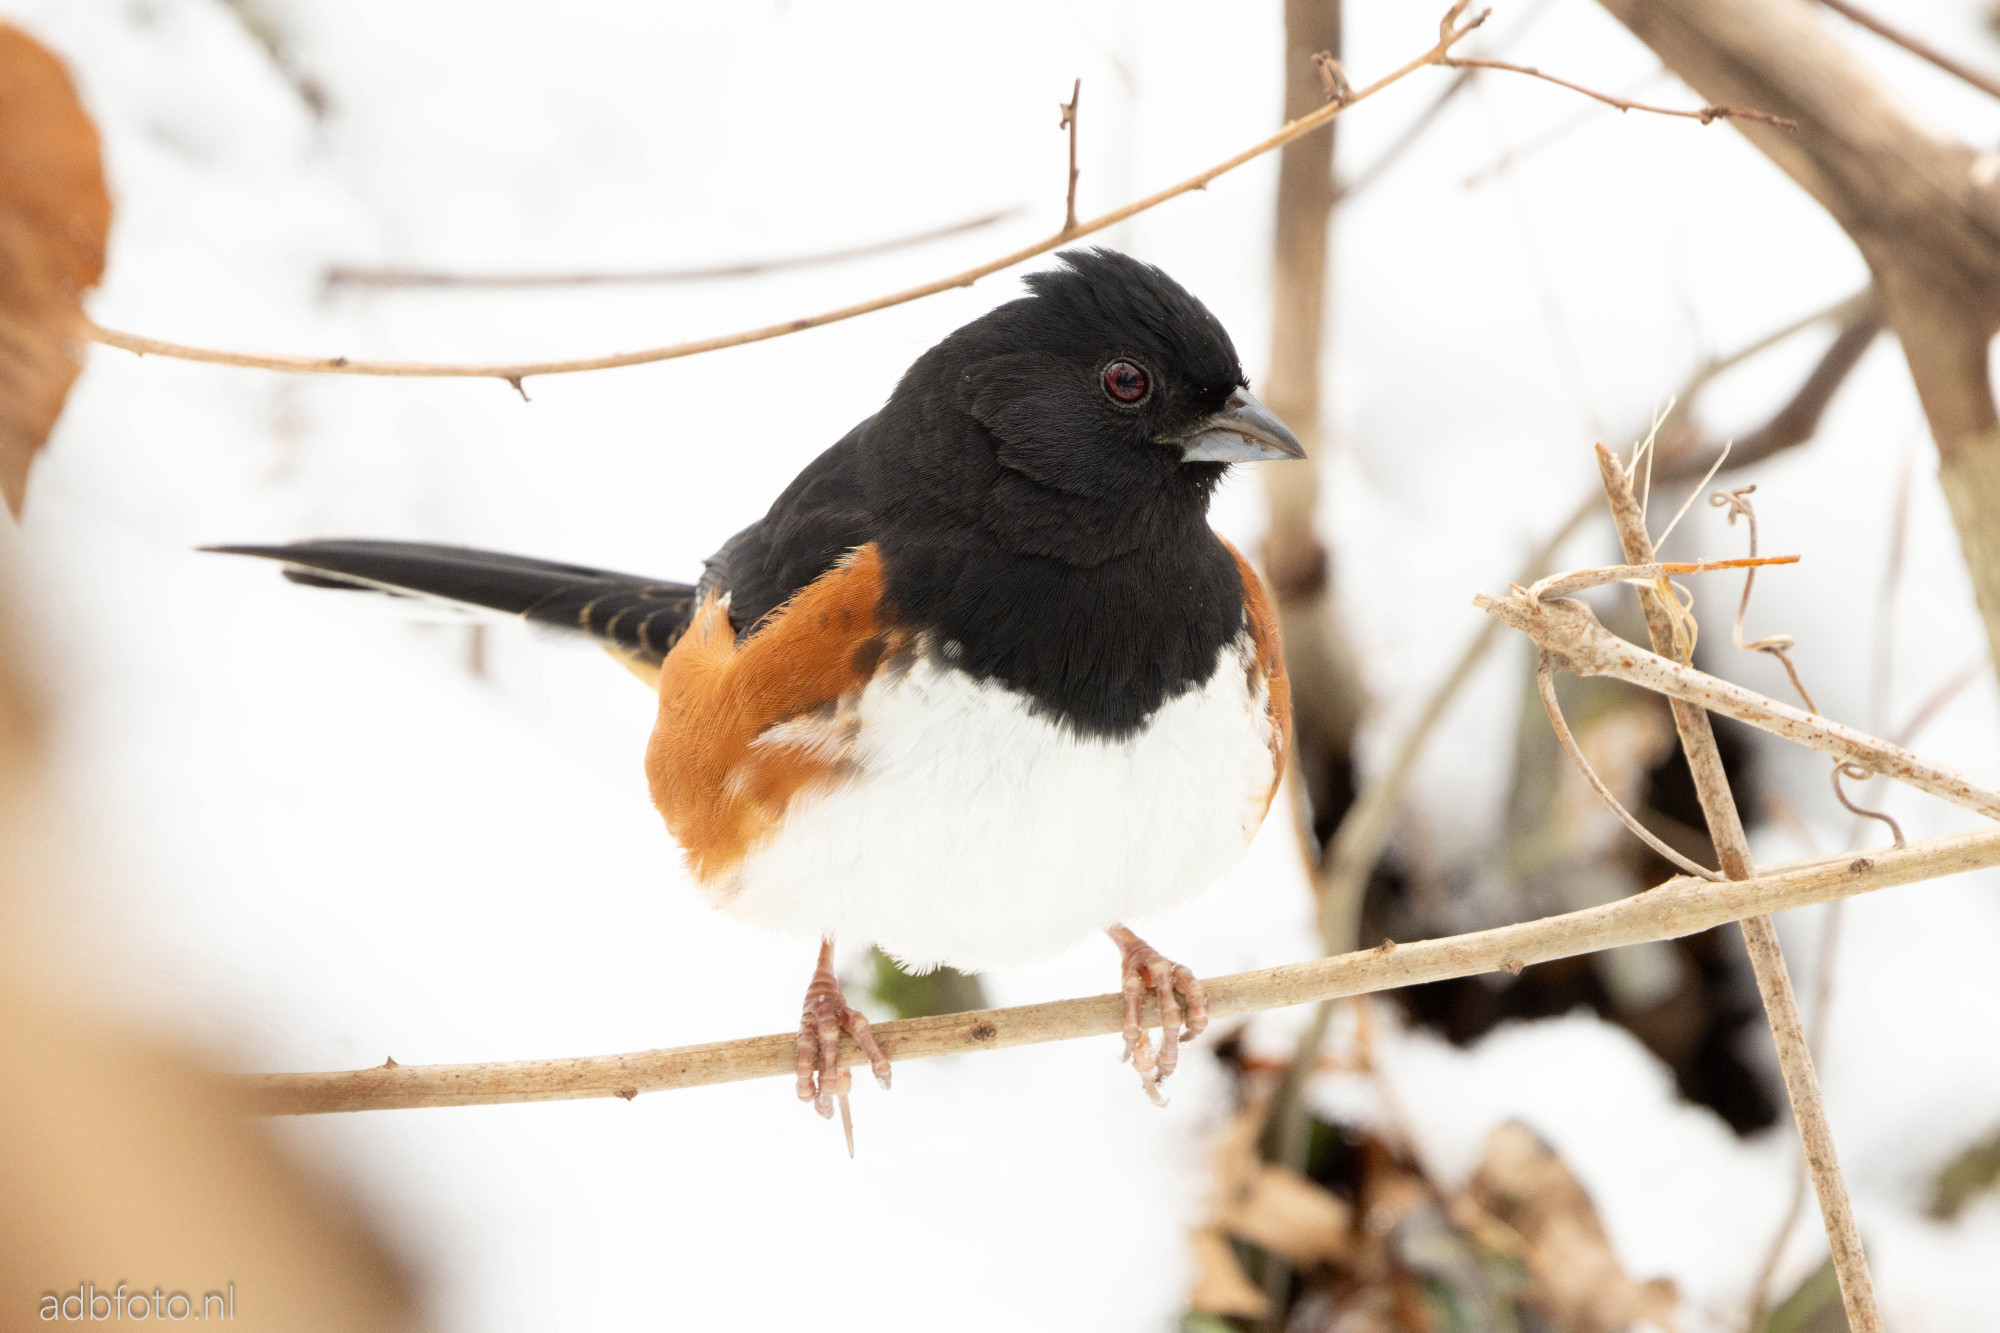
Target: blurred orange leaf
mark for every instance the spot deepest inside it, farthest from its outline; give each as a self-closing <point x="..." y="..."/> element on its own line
<point x="55" y="215"/>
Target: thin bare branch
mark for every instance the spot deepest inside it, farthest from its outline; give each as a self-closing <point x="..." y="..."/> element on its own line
<point x="1916" y="46"/>
<point x="1679" y="907"/>
<point x="1568" y="630"/>
<point x="515" y="371"/>
<point x="1760" y="937"/>
<point x="348" y="275"/>
<point x="1068" y="122"/>
<point x="1706" y="115"/>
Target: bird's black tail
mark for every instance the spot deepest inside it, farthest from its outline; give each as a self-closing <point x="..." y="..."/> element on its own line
<point x="640" y="618"/>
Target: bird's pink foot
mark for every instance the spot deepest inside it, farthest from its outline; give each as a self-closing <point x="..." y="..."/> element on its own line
<point x="1183" y="1008"/>
<point x="826" y="1017"/>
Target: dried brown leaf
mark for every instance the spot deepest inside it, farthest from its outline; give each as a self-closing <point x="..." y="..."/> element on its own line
<point x="1220" y="1285"/>
<point x="55" y="217"/>
<point x="1578" y="1281"/>
<point x="1274" y="1207"/>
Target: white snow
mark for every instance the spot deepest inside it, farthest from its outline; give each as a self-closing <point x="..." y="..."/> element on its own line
<point x="307" y="836"/>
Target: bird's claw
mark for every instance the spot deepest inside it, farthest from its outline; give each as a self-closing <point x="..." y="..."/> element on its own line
<point x="1183" y="1009"/>
<point x="826" y="1017"/>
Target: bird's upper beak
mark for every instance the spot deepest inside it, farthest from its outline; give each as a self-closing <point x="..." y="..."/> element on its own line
<point x="1244" y="431"/>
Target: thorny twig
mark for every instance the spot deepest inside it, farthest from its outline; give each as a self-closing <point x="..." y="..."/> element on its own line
<point x="1706" y="115"/>
<point x="1068" y="122"/>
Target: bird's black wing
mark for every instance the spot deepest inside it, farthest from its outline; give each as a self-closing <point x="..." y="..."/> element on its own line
<point x="822" y="516"/>
<point x="640" y="617"/>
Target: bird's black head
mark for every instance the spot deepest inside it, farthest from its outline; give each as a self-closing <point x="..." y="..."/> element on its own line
<point x="1072" y="421"/>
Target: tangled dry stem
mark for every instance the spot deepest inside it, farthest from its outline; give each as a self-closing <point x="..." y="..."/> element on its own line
<point x="1725" y="827"/>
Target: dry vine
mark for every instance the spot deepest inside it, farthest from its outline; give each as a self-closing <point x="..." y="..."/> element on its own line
<point x="1571" y="639"/>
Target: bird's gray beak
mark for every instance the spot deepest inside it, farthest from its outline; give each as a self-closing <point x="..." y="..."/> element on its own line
<point x="1244" y="431"/>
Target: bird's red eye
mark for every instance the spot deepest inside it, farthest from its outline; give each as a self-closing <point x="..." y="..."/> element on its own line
<point x="1125" y="382"/>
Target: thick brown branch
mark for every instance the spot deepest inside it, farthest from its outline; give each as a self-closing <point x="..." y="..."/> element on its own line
<point x="356" y="276"/>
<point x="1676" y="908"/>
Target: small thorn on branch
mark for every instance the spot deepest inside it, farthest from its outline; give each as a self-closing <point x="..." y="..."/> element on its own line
<point x="1068" y="122"/>
<point x="1332" y="78"/>
<point x="515" y="380"/>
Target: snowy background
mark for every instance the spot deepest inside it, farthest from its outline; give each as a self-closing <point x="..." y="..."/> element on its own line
<point x="308" y="835"/>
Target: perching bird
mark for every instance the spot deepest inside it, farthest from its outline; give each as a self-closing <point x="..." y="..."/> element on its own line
<point x="983" y="681"/>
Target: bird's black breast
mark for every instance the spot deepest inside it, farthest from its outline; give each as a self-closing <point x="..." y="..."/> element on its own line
<point x="1097" y="648"/>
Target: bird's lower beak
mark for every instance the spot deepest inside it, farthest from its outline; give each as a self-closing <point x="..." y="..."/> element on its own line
<point x="1244" y="431"/>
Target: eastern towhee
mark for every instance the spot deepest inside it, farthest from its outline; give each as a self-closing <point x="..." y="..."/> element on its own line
<point x="983" y="680"/>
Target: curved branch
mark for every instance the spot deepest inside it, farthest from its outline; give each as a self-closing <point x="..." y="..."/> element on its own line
<point x="1678" y="907"/>
<point x="515" y="371"/>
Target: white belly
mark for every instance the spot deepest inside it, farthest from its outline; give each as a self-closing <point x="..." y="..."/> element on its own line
<point x="973" y="833"/>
